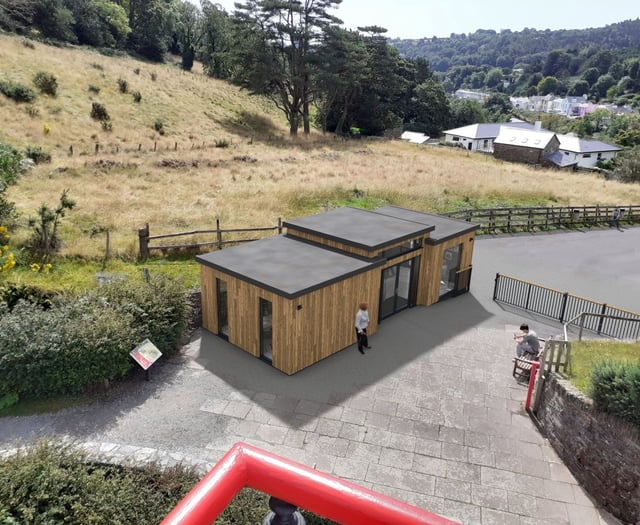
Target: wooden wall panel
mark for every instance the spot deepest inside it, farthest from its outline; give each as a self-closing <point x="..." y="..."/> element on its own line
<point x="209" y="304"/>
<point x="430" y="292"/>
<point x="327" y="242"/>
<point x="324" y="324"/>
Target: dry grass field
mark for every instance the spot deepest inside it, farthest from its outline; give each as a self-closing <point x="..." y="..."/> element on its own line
<point x="180" y="181"/>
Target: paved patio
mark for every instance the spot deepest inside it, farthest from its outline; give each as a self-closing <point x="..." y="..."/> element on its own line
<point x="430" y="415"/>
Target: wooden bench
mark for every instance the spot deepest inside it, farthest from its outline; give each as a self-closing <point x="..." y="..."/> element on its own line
<point x="522" y="365"/>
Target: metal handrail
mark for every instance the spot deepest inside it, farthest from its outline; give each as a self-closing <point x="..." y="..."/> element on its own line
<point x="582" y="315"/>
<point x="339" y="500"/>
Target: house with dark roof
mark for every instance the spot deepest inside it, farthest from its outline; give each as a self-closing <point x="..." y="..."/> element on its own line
<point x="291" y="300"/>
<point x="480" y="137"/>
<point x="585" y="153"/>
<point x="527" y="146"/>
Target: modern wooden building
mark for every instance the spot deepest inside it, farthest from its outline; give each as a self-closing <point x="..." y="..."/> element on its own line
<point x="291" y="300"/>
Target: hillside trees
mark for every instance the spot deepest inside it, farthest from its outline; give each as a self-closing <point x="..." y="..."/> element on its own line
<point x="278" y="38"/>
<point x="99" y="23"/>
<point x="152" y="25"/>
<point x="189" y="33"/>
<point x="217" y="41"/>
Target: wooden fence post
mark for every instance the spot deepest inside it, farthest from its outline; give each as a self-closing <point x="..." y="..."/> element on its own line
<point x="219" y="234"/>
<point x="143" y="238"/>
<point x="279" y="225"/>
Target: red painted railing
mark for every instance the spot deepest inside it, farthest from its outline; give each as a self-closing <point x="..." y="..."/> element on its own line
<point x="317" y="492"/>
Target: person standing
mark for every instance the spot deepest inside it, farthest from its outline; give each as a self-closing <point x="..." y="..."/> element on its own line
<point x="362" y="321"/>
<point x="615" y="219"/>
<point x="527" y="342"/>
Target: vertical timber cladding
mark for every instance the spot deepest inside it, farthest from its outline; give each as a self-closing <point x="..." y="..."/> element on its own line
<point x="429" y="293"/>
<point x="321" y="323"/>
<point x="319" y="239"/>
<point x="209" y="299"/>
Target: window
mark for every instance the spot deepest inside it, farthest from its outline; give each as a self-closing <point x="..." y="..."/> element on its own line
<point x="586" y="156"/>
<point x="406" y="247"/>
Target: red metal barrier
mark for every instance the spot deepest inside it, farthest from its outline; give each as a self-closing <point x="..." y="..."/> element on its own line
<point x="532" y="381"/>
<point x="317" y="492"/>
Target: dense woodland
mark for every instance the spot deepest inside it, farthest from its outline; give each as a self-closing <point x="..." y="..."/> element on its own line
<point x="323" y="76"/>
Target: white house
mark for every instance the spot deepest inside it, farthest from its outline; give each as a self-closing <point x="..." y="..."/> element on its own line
<point x="586" y="153"/>
<point x="480" y="137"/>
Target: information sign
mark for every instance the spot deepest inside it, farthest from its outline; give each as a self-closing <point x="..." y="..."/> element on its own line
<point x="145" y="354"/>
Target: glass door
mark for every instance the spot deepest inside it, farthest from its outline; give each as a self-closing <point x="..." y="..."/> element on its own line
<point x="223" y="309"/>
<point x="450" y="267"/>
<point x="266" y="331"/>
<point x="398" y="288"/>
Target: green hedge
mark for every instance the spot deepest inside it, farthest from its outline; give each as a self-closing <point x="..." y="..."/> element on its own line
<point x="616" y="389"/>
<point x="81" y="341"/>
<point x="52" y="482"/>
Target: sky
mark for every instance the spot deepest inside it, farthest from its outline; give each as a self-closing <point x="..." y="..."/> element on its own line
<point x="428" y="18"/>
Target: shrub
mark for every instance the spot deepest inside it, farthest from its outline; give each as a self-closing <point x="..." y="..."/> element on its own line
<point x="123" y="85"/>
<point x="28" y="43"/>
<point x="158" y="125"/>
<point x="137" y="96"/>
<point x="37" y="154"/>
<point x="46" y="83"/>
<point x="52" y="482"/>
<point x="9" y="164"/>
<point x="12" y="293"/>
<point x="99" y="112"/>
<point x="107" y="125"/>
<point x="137" y="71"/>
<point x="616" y="389"/>
<point x="44" y="238"/>
<point x="154" y="76"/>
<point x="222" y="143"/>
<point x="64" y="349"/>
<point x="97" y="66"/>
<point x="159" y="308"/>
<point x="17" y="92"/>
<point x="94" y="89"/>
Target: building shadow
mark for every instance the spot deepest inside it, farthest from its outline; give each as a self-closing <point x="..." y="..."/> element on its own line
<point x="399" y="341"/>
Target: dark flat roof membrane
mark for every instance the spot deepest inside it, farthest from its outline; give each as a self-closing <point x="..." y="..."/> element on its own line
<point x="360" y="228"/>
<point x="445" y="227"/>
<point x="285" y="266"/>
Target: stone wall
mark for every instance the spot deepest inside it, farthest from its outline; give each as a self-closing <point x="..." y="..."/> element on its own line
<point x="602" y="452"/>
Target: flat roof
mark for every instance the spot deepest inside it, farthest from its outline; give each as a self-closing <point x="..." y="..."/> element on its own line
<point x="360" y="228"/>
<point x="285" y="266"/>
<point x="445" y="227"/>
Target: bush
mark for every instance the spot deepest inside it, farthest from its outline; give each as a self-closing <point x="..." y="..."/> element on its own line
<point x="107" y="125"/>
<point x="99" y="112"/>
<point x="94" y="89"/>
<point x="616" y="389"/>
<point x="17" y="92"/>
<point x="51" y="482"/>
<point x="11" y="294"/>
<point x="159" y="308"/>
<point x="64" y="349"/>
<point x="123" y="85"/>
<point x="154" y="76"/>
<point x="9" y="164"/>
<point x="37" y="154"/>
<point x="158" y="125"/>
<point x="222" y="143"/>
<point x="46" y="83"/>
<point x="137" y="71"/>
<point x="137" y="96"/>
<point x="32" y="111"/>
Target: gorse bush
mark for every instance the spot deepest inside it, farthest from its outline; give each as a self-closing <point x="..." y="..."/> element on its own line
<point x="9" y="164"/>
<point x="616" y="389"/>
<point x="94" y="89"/>
<point x="86" y="340"/>
<point x="51" y="482"/>
<point x="46" y="83"/>
<point x="137" y="96"/>
<point x="17" y="92"/>
<point x="158" y="125"/>
<point x="99" y="112"/>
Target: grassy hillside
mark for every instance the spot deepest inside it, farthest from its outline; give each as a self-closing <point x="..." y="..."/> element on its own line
<point x="261" y="176"/>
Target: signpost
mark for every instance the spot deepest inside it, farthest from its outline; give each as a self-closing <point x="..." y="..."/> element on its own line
<point x="145" y="354"/>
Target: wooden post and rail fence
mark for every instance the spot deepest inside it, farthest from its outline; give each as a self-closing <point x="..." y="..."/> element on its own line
<point x="508" y="220"/>
<point x="219" y="238"/>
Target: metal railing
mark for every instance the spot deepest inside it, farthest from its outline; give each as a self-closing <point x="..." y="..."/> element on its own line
<point x="562" y="306"/>
<point x="341" y="501"/>
<point x="603" y="318"/>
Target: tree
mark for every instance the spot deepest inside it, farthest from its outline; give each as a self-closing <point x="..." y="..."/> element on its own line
<point x="581" y="87"/>
<point x="548" y="85"/>
<point x="152" y="25"/>
<point x="498" y="107"/>
<point x="466" y="111"/>
<point x="274" y="59"/>
<point x="15" y="14"/>
<point x="99" y="22"/>
<point x="54" y="20"/>
<point x="590" y="75"/>
<point x="217" y="41"/>
<point x="340" y="65"/>
<point x="494" y="77"/>
<point x="628" y="165"/>
<point x="431" y="108"/>
<point x="189" y="33"/>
